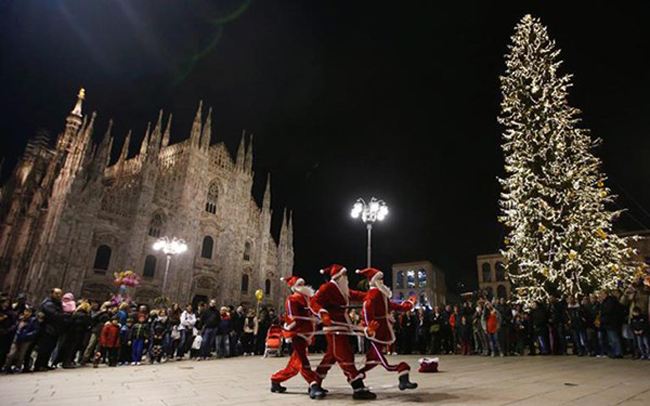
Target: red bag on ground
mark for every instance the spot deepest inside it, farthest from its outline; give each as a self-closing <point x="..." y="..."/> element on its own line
<point x="428" y="365"/>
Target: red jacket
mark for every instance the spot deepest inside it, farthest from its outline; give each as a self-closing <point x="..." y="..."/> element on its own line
<point x="376" y="307"/>
<point x="110" y="336"/>
<point x="330" y="299"/>
<point x="299" y="319"/>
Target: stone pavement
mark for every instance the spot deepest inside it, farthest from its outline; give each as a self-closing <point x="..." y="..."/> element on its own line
<point x="472" y="380"/>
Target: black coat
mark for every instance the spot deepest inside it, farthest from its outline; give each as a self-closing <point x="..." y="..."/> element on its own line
<point x="210" y="318"/>
<point x="238" y="322"/>
<point x="55" y="319"/>
<point x="611" y="314"/>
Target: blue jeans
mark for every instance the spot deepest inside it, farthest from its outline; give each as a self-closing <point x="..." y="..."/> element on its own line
<point x="493" y="339"/>
<point x="223" y="340"/>
<point x="642" y="345"/>
<point x="138" y="347"/>
<point x="208" y="340"/>
<point x="543" y="343"/>
<point x="580" y="344"/>
<point x="186" y="336"/>
<point x="615" y="349"/>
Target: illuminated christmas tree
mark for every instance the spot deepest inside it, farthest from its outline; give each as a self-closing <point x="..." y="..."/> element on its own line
<point x="554" y="201"/>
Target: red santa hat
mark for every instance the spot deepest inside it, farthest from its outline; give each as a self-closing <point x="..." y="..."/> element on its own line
<point x="334" y="271"/>
<point x="371" y="273"/>
<point x="293" y="281"/>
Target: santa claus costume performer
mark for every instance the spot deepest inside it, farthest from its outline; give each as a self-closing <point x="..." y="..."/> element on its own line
<point x="376" y="308"/>
<point x="331" y="303"/>
<point x="299" y="328"/>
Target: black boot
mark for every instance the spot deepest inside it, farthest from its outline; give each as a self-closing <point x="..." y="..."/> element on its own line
<point x="361" y="392"/>
<point x="321" y="388"/>
<point x="316" y="392"/>
<point x="277" y="388"/>
<point x="404" y="382"/>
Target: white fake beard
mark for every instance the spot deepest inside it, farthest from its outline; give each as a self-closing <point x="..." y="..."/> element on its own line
<point x="304" y="290"/>
<point x="342" y="283"/>
<point x="379" y="284"/>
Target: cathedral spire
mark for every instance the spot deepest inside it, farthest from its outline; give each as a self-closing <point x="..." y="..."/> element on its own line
<point x="284" y="229"/>
<point x="266" y="201"/>
<point x="125" y="148"/>
<point x="195" y="137"/>
<point x="154" y="140"/>
<point x="76" y="111"/>
<point x="249" y="156"/>
<point x="145" y="141"/>
<point x="206" y="137"/>
<point x="241" y="151"/>
<point x="290" y="230"/>
<point x="157" y="131"/>
<point x="166" y="135"/>
<point x="84" y="140"/>
<point x="103" y="153"/>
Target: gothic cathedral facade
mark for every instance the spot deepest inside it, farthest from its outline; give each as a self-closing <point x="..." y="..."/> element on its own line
<point x="70" y="219"/>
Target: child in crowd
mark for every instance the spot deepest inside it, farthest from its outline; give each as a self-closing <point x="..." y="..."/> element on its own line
<point x="125" y="343"/>
<point x="26" y="333"/>
<point x="158" y="331"/>
<point x="464" y="334"/>
<point x="109" y="341"/>
<point x="639" y="326"/>
<point x="139" y="337"/>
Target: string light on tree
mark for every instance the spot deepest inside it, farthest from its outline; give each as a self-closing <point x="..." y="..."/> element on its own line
<point x="554" y="199"/>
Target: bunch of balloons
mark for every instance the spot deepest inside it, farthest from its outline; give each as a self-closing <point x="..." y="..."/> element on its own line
<point x="126" y="278"/>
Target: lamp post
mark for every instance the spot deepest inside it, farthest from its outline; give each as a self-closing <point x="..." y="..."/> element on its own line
<point x="169" y="248"/>
<point x="369" y="212"/>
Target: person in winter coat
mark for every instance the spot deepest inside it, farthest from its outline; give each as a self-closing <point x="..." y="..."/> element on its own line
<point x="480" y="338"/>
<point x="250" y="331"/>
<point x="159" y="328"/>
<point x="238" y="317"/>
<point x="8" y="323"/>
<point x="577" y="323"/>
<point x="50" y="329"/>
<point x="464" y="334"/>
<point x="611" y="320"/>
<point x="492" y="323"/>
<point x="125" y="342"/>
<point x="109" y="342"/>
<point x="639" y="325"/>
<point x="97" y="324"/>
<point x="123" y="313"/>
<point x="539" y="322"/>
<point x="422" y="331"/>
<point x="187" y="323"/>
<point x="26" y="333"/>
<point x="139" y="338"/>
<point x="210" y="319"/>
<point x="79" y="324"/>
<point x="435" y="328"/>
<point x="223" y="333"/>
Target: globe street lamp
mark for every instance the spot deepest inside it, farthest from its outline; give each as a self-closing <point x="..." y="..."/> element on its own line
<point x="169" y="248"/>
<point x="370" y="212"/>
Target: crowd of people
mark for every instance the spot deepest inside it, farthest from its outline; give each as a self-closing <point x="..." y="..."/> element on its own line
<point x="613" y="324"/>
<point x="62" y="332"/>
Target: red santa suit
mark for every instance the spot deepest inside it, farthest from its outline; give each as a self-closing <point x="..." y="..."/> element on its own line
<point x="298" y="328"/>
<point x="377" y="307"/>
<point x="331" y="303"/>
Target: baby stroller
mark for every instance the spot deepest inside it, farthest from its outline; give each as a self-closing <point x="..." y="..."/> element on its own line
<point x="273" y="341"/>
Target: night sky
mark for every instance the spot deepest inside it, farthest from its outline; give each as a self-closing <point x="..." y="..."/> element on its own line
<point x="396" y="100"/>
